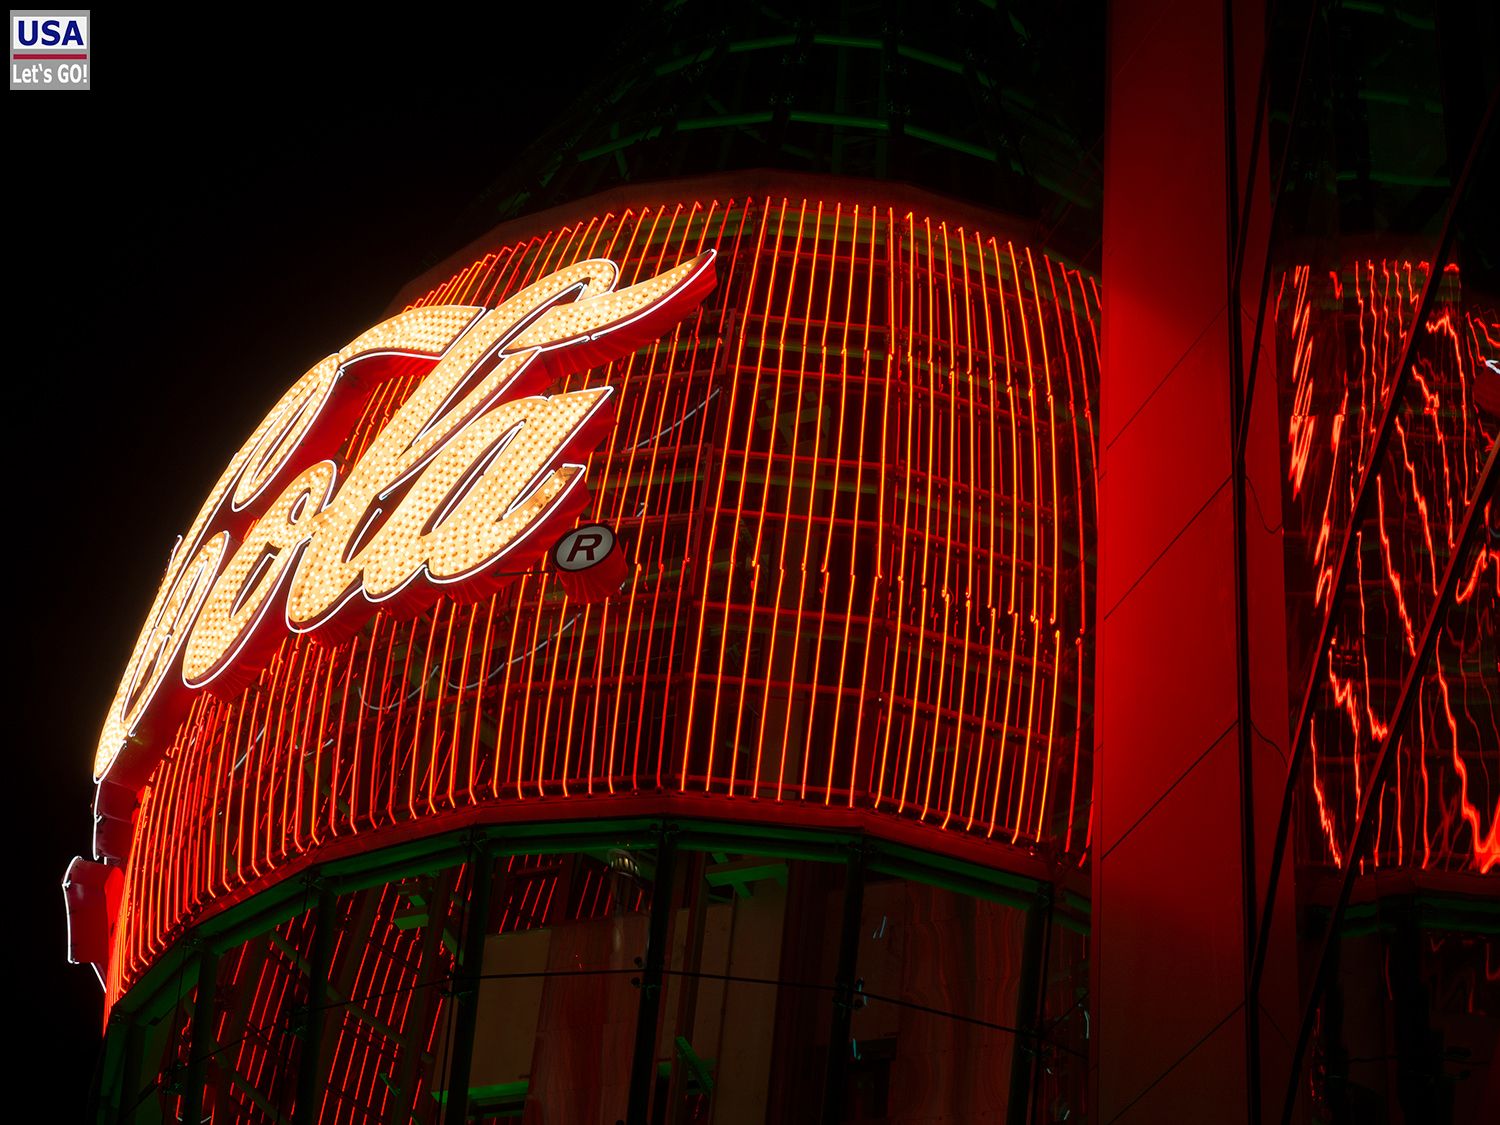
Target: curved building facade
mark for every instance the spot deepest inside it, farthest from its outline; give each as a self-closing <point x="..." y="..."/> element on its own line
<point x="844" y="667"/>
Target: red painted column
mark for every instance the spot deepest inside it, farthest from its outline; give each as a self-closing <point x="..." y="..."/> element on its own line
<point x="1175" y="756"/>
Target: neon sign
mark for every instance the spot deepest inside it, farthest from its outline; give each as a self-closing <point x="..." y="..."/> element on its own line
<point x="458" y="490"/>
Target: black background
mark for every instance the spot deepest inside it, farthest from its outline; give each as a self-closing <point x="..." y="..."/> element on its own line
<point x="234" y="198"/>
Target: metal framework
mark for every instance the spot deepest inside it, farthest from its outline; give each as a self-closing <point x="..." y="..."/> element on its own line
<point x="377" y="956"/>
<point x="995" y="104"/>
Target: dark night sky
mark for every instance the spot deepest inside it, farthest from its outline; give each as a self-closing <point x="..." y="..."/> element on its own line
<point x="229" y="203"/>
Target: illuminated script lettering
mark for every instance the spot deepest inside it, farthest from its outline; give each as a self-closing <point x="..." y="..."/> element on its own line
<point x="467" y="482"/>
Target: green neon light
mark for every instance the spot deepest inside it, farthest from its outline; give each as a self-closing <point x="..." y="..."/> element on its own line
<point x="741" y="874"/>
<point x="1421" y="23"/>
<point x="848" y="41"/>
<point x="762" y="44"/>
<point x="727" y="121"/>
<point x="684" y="61"/>
<point x="1067" y="193"/>
<point x="1072" y="924"/>
<point x="697" y="1067"/>
<point x="951" y="882"/>
<point x="624" y="142"/>
<point x="945" y="141"/>
<point x="840" y="120"/>
<point x="1396" y="179"/>
<point x="950" y="65"/>
<point x="1077" y="901"/>
<point x="486" y="1097"/>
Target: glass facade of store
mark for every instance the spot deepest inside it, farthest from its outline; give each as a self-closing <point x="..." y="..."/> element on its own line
<point x="523" y="960"/>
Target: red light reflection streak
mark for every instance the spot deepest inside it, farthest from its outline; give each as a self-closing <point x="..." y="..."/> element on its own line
<point x="1421" y="501"/>
<point x="1391" y="574"/>
<point x="1486" y="845"/>
<point x="1302" y="427"/>
<point x="1441" y="436"/>
<point x="1322" y="803"/>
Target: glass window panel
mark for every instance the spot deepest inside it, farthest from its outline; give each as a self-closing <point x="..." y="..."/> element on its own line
<point x="748" y="1001"/>
<point x="931" y="1031"/>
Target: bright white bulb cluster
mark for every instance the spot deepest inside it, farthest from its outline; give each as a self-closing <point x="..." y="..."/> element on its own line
<point x="426" y="331"/>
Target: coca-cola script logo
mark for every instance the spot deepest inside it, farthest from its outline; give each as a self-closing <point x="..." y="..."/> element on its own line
<point x="473" y="478"/>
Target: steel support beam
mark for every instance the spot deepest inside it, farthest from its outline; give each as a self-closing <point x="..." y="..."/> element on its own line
<point x="309" y="1069"/>
<point x="836" y="1081"/>
<point x="200" y="1039"/>
<point x="1027" y="1045"/>
<point x="466" y="986"/>
<point x="643" y="1061"/>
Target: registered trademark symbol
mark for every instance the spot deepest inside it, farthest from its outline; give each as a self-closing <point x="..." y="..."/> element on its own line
<point x="584" y="547"/>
